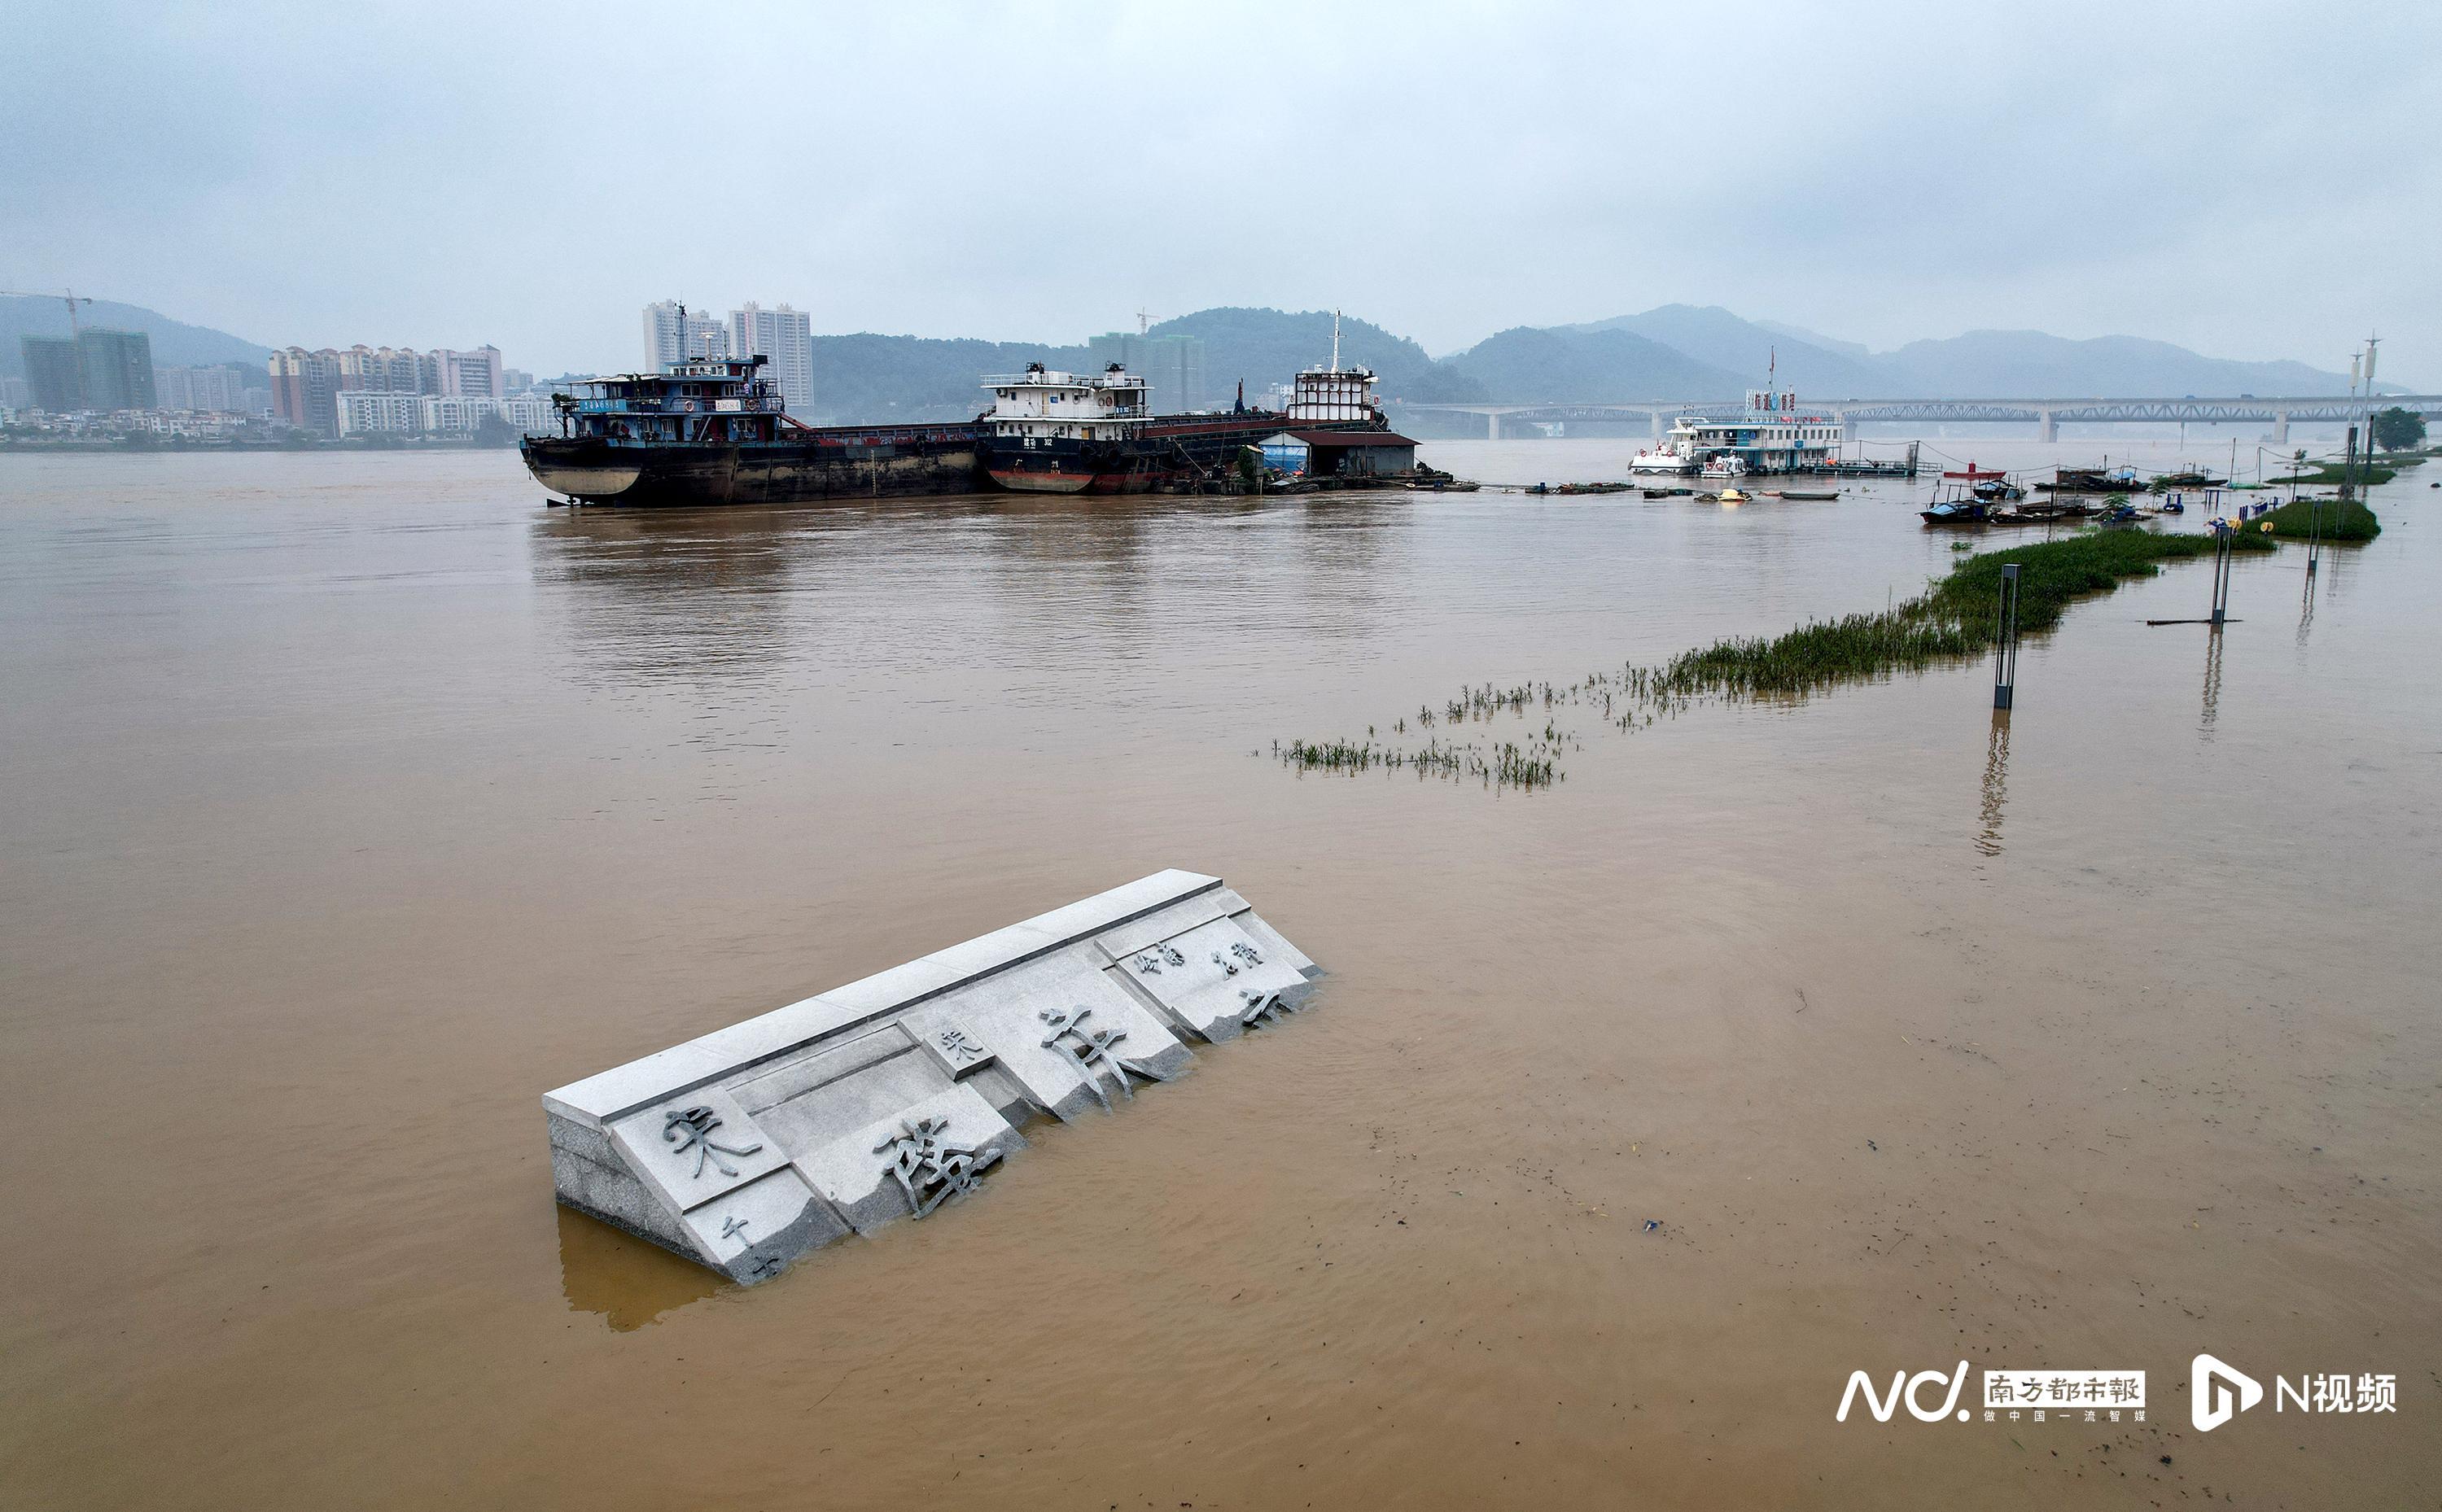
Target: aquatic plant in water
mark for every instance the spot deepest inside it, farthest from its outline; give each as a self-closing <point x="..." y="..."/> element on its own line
<point x="1953" y="619"/>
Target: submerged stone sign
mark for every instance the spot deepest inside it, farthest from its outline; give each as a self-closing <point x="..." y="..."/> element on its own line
<point x="887" y="1097"/>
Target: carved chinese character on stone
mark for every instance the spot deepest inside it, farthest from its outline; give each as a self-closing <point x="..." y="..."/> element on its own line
<point x="1246" y="953"/>
<point x="1262" y="1008"/>
<point x="1093" y="1052"/>
<point x="691" y="1129"/>
<point x="1223" y="961"/>
<point x="959" y="1050"/>
<point x="1146" y="965"/>
<point x="930" y="1169"/>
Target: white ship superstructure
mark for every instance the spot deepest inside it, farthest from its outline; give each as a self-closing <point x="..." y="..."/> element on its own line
<point x="1039" y="405"/>
<point x="1772" y="435"/>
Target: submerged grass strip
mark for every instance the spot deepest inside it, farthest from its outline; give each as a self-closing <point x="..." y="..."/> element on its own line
<point x="1953" y="619"/>
<point x="2342" y="522"/>
<point x="1956" y="618"/>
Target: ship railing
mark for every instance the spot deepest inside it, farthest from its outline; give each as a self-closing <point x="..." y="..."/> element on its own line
<point x="764" y="404"/>
<point x="1066" y="380"/>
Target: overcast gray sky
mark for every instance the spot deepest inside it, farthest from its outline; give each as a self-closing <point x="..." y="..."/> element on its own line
<point x="2250" y="180"/>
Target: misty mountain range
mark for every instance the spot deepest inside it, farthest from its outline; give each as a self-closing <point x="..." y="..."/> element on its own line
<point x="1676" y="351"/>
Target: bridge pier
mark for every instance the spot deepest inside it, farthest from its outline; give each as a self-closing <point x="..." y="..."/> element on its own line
<point x="2051" y="426"/>
<point x="2281" y="428"/>
<point x="1656" y="418"/>
<point x="1848" y="426"/>
<point x="1492" y="427"/>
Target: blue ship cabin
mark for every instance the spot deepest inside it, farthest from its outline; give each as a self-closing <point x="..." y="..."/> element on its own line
<point x="702" y="400"/>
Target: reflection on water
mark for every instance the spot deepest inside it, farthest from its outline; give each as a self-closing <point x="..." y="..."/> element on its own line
<point x="1996" y="784"/>
<point x="620" y="1277"/>
<point x="2213" y="680"/>
<point x="673" y="593"/>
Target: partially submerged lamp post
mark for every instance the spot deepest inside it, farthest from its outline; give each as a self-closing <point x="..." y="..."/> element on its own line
<point x="2005" y="648"/>
<point x="2221" y="574"/>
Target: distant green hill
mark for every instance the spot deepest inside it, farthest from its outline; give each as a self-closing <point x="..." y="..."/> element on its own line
<point x="1532" y="366"/>
<point x="906" y="379"/>
<point x="1717" y="339"/>
<point x="175" y="344"/>
<point x="900" y="379"/>
<point x="1976" y="365"/>
<point x="1264" y="347"/>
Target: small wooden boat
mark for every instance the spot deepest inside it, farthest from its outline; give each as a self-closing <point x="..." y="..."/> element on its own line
<point x="1811" y="495"/>
<point x="1730" y="495"/>
<point x="1958" y="512"/>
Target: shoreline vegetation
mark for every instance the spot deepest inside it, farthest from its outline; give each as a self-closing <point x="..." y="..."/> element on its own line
<point x="2341" y="520"/>
<point x="1954" y="620"/>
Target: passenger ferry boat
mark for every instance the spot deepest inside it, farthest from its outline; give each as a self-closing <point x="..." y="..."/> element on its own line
<point x="716" y="431"/>
<point x="1770" y="435"/>
<point x="1667" y="457"/>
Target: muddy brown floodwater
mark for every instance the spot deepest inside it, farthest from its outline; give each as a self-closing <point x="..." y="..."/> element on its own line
<point x="351" y="802"/>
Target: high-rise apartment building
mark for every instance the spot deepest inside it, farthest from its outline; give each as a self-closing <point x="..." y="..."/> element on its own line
<point x="469" y="375"/>
<point x="96" y="369"/>
<point x="304" y="386"/>
<point x="673" y="332"/>
<point x="214" y="390"/>
<point x="54" y="378"/>
<point x="389" y="369"/>
<point x="786" y="337"/>
<point x="118" y="369"/>
<point x="1171" y="366"/>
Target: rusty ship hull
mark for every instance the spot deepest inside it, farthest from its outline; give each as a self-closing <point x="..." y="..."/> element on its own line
<point x="803" y="467"/>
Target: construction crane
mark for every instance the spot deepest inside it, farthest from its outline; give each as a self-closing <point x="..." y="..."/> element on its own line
<point x="71" y="296"/>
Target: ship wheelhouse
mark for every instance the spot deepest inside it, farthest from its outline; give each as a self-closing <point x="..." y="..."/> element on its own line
<point x="1770" y="435"/>
<point x="1043" y="408"/>
<point x="707" y="401"/>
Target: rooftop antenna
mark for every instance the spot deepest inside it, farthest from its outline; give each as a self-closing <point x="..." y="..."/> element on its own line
<point x="1335" y="340"/>
<point x="1144" y="321"/>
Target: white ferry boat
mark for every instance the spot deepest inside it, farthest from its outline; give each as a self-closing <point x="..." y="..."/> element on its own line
<point x="1666" y="458"/>
<point x="1772" y="435"/>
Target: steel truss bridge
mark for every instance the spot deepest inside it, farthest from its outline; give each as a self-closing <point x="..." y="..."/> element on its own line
<point x="2046" y="414"/>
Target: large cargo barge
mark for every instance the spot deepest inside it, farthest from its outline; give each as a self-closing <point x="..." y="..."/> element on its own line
<point x="716" y="431"/>
<point x="1065" y="433"/>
